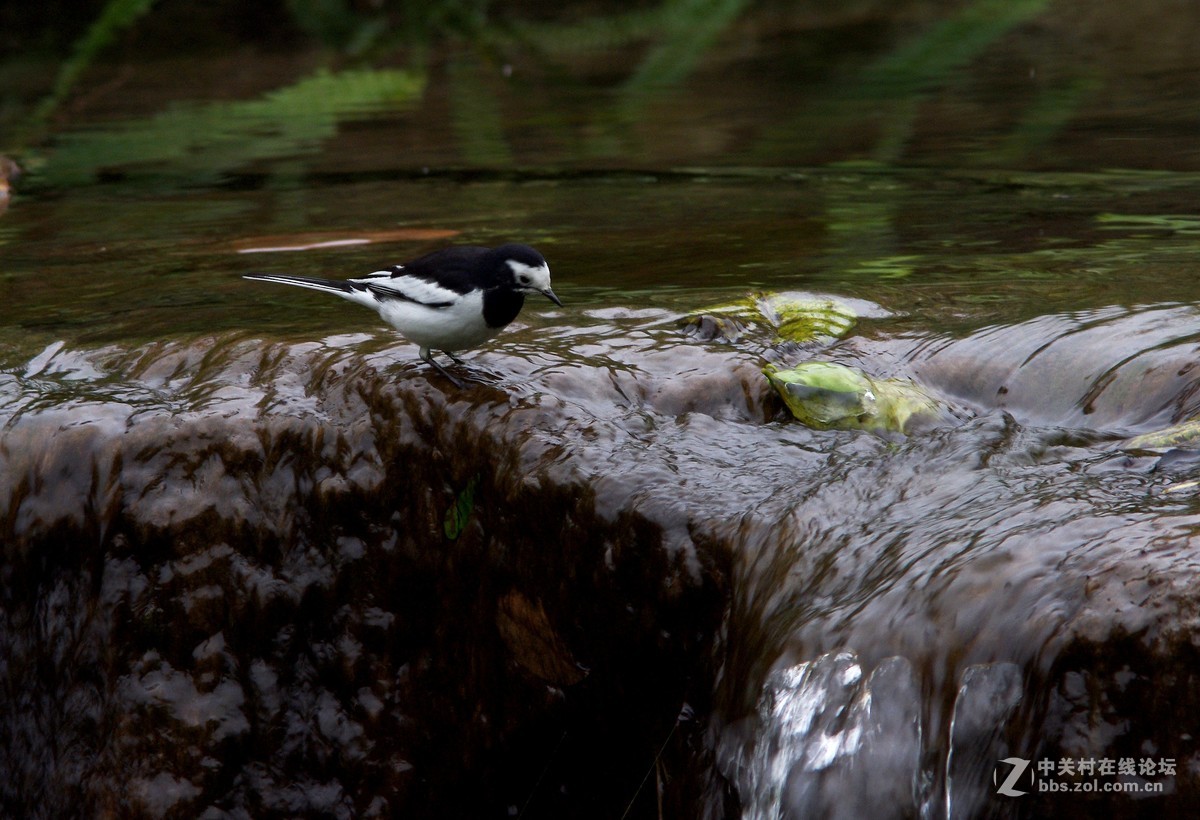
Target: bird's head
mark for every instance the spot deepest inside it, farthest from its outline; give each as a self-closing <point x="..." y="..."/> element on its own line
<point x="525" y="270"/>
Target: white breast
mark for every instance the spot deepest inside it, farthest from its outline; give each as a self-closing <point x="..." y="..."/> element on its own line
<point x="458" y="327"/>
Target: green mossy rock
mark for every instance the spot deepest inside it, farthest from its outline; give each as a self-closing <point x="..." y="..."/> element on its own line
<point x="792" y="317"/>
<point x="826" y="396"/>
<point x="1182" y="436"/>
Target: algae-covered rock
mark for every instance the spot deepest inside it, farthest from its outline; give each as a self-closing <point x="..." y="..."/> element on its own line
<point x="794" y="317"/>
<point x="825" y="395"/>
<point x="1182" y="436"/>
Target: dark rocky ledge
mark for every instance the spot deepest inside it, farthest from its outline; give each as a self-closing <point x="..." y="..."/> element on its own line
<point x="230" y="582"/>
<point x="266" y="580"/>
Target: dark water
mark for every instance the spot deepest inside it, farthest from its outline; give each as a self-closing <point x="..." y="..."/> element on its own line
<point x="259" y="562"/>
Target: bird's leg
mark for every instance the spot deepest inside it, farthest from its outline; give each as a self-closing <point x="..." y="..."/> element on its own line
<point x="427" y="356"/>
<point x="454" y="358"/>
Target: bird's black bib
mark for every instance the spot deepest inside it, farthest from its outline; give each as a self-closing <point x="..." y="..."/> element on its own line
<point x="501" y="306"/>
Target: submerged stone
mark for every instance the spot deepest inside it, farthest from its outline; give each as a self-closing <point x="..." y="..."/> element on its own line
<point x="825" y="395"/>
<point x="794" y="317"/>
<point x="1182" y="436"/>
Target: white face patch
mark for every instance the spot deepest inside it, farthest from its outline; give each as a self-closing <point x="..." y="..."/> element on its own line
<point x="530" y="278"/>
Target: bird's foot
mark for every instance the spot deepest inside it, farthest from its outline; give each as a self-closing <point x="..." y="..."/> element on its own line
<point x="427" y="357"/>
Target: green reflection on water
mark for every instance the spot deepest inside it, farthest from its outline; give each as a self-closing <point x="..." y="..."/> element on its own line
<point x="888" y="92"/>
<point x="1051" y="111"/>
<point x="1175" y="223"/>
<point x="201" y="141"/>
<point x="934" y="55"/>
<point x="689" y="28"/>
<point x="117" y="16"/>
<point x="478" y="121"/>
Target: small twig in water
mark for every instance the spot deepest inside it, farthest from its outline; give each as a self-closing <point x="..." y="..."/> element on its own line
<point x="542" y="776"/>
<point x="653" y="766"/>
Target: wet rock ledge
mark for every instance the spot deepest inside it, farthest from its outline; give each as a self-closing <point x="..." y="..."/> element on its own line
<point x="259" y="580"/>
<point x="253" y="581"/>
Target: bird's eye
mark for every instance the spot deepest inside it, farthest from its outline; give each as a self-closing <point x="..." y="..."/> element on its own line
<point x="524" y="280"/>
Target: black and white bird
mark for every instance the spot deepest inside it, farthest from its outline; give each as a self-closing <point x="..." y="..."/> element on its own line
<point x="448" y="300"/>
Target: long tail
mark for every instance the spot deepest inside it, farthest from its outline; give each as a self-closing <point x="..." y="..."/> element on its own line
<point x="328" y="285"/>
<point x="354" y="291"/>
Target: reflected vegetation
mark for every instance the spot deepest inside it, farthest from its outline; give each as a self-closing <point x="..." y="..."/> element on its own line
<point x="200" y="143"/>
<point x="117" y="16"/>
<point x="864" y="83"/>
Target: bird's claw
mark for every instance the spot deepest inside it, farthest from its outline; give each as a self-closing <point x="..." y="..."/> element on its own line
<point x="427" y="356"/>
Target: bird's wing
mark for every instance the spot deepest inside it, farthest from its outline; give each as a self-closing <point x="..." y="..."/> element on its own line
<point x="396" y="283"/>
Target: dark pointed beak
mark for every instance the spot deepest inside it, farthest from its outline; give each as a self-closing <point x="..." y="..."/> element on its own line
<point x="549" y="294"/>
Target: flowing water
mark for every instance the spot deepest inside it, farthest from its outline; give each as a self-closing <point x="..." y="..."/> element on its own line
<point x="259" y="561"/>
